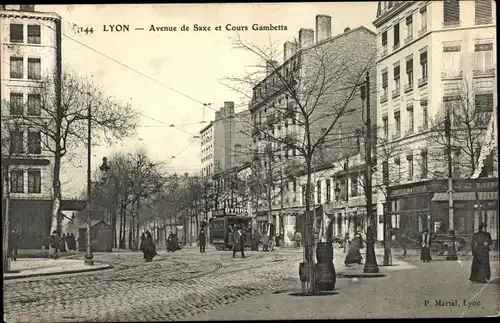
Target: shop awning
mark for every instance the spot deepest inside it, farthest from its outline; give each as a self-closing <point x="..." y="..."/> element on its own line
<point x="465" y="196"/>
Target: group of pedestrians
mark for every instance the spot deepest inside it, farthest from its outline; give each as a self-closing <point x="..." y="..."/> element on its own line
<point x="61" y="243"/>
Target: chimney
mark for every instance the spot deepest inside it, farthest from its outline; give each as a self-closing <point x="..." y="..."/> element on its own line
<point x="347" y="29"/>
<point x="228" y="108"/>
<point x="306" y="37"/>
<point x="289" y="49"/>
<point x="323" y="27"/>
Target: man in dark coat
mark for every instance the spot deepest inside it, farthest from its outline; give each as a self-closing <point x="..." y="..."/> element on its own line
<point x="480" y="269"/>
<point x="202" y="241"/>
<point x="13" y="244"/>
<point x="425" y="242"/>
<point x="238" y="244"/>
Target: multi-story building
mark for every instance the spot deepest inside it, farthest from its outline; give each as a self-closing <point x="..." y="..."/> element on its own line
<point x="207" y="150"/>
<point x="436" y="59"/>
<point x="30" y="53"/>
<point x="275" y="111"/>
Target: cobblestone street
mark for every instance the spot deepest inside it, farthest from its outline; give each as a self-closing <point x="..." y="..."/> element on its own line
<point x="172" y="287"/>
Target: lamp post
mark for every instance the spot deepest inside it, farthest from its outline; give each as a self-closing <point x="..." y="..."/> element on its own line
<point x="371" y="261"/>
<point x="336" y="193"/>
<point x="89" y="258"/>
<point x="451" y="253"/>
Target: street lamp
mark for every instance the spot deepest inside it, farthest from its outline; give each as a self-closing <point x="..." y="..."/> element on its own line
<point x="89" y="258"/>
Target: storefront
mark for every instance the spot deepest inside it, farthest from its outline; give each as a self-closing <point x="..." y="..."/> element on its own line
<point x="417" y="206"/>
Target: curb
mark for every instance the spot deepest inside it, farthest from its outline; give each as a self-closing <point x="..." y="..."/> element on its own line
<point x="76" y="271"/>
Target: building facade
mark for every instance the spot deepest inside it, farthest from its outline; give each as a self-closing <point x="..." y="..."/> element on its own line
<point x="436" y="62"/>
<point x="30" y="53"/>
<point x="207" y="150"/>
<point x="278" y="120"/>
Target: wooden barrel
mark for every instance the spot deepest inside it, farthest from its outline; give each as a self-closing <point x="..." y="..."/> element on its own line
<point x="324" y="252"/>
<point x="326" y="276"/>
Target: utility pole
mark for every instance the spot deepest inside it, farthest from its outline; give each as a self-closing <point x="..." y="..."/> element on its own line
<point x="89" y="258"/>
<point x="451" y="251"/>
<point x="371" y="261"/>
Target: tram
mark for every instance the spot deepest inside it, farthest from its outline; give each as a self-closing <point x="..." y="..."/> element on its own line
<point x="221" y="231"/>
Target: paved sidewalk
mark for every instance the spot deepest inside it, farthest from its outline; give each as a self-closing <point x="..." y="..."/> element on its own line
<point x="24" y="268"/>
<point x="420" y="290"/>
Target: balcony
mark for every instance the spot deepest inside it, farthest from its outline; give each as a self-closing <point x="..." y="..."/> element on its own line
<point x="383" y="51"/>
<point x="396" y="92"/>
<point x="451" y="24"/>
<point x="452" y="75"/>
<point x="383" y="97"/>
<point x="484" y="21"/>
<point x="395" y="47"/>
<point x="484" y="72"/>
<point x="408" y="39"/>
<point x="422" y="81"/>
<point x="408" y="87"/>
<point x="422" y="31"/>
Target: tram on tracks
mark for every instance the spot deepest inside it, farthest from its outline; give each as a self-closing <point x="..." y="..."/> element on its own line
<point x="221" y="231"/>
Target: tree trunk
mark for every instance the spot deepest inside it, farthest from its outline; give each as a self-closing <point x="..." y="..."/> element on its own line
<point x="6" y="231"/>
<point x="308" y="234"/>
<point x="137" y="219"/>
<point x="56" y="220"/>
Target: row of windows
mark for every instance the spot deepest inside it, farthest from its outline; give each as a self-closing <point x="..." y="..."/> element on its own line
<point x="17" y="34"/>
<point x="17" y="68"/>
<point x="409" y="26"/>
<point x="203" y="159"/>
<point x="17" y="104"/>
<point x="34" y="180"/>
<point x="17" y="142"/>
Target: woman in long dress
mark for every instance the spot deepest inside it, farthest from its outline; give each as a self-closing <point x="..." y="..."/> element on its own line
<point x="480" y="269"/>
<point x="353" y="253"/>
<point x="425" y="252"/>
<point x="149" y="248"/>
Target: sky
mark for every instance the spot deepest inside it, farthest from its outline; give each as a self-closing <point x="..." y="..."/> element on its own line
<point x="157" y="66"/>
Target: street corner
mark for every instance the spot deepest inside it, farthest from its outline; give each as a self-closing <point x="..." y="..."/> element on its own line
<point x="26" y="268"/>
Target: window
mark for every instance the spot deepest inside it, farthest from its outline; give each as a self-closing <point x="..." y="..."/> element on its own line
<point x="16" y="142"/>
<point x="328" y="191"/>
<point x="34" y="142"/>
<point x="396" y="36"/>
<point x="354" y="186"/>
<point x="409" y="159"/>
<point x="34" y="103"/>
<point x="483" y="12"/>
<point x="34" y="181"/>
<point x="409" y="72"/>
<point x="385" y="121"/>
<point x="423" y="64"/>
<point x="384" y="41"/>
<point x="318" y="191"/>
<point x="483" y="102"/>
<point x="16" y="67"/>
<point x="423" y="18"/>
<point x="385" y="172"/>
<point x="397" y="161"/>
<point x="16" y="104"/>
<point x="452" y="58"/>
<point x="16" y="33"/>
<point x="397" y="121"/>
<point x="384" y="82"/>
<point x="425" y="114"/>
<point x="451" y="12"/>
<point x="423" y="155"/>
<point x="396" y="78"/>
<point x="409" y="109"/>
<point x="34" y="34"/>
<point x="483" y="57"/>
<point x="409" y="28"/>
<point x="17" y="181"/>
<point x="34" y="69"/>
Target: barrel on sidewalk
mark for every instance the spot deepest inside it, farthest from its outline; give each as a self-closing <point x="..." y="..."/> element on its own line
<point x="325" y="270"/>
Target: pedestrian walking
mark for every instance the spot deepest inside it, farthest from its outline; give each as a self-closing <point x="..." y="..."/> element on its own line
<point x="141" y="243"/>
<point x="149" y="248"/>
<point x="73" y="242"/>
<point x="298" y="239"/>
<point x="425" y="242"/>
<point x="13" y="244"/>
<point x="54" y="245"/>
<point x="238" y="244"/>
<point x="62" y="243"/>
<point x="480" y="269"/>
<point x="202" y="240"/>
<point x="353" y="253"/>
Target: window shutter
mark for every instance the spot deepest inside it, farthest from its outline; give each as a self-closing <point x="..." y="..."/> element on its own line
<point x="384" y="38"/>
<point x="483" y="9"/>
<point x="423" y="58"/>
<point x="384" y="80"/>
<point x="396" y="72"/>
<point x="451" y="11"/>
<point x="409" y="65"/>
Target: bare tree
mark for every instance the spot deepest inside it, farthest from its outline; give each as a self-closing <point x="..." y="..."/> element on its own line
<point x="315" y="90"/>
<point x="58" y="107"/>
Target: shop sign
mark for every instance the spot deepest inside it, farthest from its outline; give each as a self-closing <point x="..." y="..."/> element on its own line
<point x="409" y="190"/>
<point x="479" y="186"/>
<point x="261" y="218"/>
